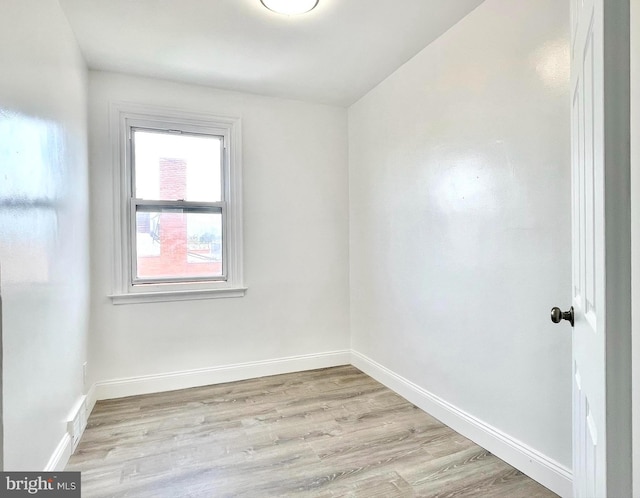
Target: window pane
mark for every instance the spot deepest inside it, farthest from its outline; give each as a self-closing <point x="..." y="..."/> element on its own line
<point x="173" y="167"/>
<point x="175" y="244"/>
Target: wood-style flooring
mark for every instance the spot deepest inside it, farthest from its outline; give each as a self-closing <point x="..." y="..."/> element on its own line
<point x="323" y="433"/>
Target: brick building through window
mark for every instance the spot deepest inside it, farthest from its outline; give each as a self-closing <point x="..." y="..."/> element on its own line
<point x="173" y="243"/>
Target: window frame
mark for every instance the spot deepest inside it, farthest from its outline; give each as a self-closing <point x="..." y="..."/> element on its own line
<point x="127" y="288"/>
<point x="185" y="206"/>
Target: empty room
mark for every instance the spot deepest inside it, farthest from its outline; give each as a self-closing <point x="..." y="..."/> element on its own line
<point x="319" y="248"/>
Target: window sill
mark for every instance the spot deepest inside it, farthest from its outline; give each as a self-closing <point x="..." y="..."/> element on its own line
<point x="177" y="295"/>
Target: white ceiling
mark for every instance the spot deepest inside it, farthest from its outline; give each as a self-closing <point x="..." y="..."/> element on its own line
<point x="334" y="54"/>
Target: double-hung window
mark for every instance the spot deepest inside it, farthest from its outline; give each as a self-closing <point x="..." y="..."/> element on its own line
<point x="178" y="222"/>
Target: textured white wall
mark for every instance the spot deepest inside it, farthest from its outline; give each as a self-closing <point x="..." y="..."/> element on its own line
<point x="460" y="220"/>
<point x="295" y="240"/>
<point x="43" y="227"/>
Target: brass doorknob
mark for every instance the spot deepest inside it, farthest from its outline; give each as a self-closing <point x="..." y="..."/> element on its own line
<point x="557" y="315"/>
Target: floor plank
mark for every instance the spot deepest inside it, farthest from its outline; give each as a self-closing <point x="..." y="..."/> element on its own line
<point x="323" y="433"/>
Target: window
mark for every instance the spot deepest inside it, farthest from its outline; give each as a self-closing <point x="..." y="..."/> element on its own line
<point x="178" y="206"/>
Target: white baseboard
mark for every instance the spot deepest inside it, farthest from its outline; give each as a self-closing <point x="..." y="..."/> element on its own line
<point x="91" y="400"/>
<point x="61" y="455"/>
<point x="531" y="462"/>
<point x="119" y="388"/>
<point x="76" y="423"/>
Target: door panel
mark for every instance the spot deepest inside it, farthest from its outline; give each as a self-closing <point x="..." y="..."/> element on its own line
<point x="601" y="335"/>
<point x="588" y="255"/>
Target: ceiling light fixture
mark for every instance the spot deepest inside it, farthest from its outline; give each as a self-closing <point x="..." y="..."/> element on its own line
<point x="290" y="7"/>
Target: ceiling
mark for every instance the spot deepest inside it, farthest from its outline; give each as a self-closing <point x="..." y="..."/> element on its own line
<point x="334" y="54"/>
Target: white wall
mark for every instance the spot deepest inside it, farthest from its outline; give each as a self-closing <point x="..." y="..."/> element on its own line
<point x="460" y="221"/>
<point x="43" y="228"/>
<point x="295" y="240"/>
<point x="459" y="185"/>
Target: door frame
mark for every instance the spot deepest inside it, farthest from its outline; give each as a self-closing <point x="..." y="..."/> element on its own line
<point x="617" y="198"/>
<point x="1" y="382"/>
<point x="635" y="233"/>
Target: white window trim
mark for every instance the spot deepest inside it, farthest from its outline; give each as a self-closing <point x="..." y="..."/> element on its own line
<point x="125" y="115"/>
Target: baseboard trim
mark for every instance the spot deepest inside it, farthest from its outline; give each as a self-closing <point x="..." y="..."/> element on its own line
<point x="531" y="462"/>
<point x="91" y="399"/>
<point x="61" y="455"/>
<point x="146" y="384"/>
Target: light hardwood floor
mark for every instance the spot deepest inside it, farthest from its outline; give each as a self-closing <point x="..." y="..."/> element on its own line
<point x="323" y="433"/>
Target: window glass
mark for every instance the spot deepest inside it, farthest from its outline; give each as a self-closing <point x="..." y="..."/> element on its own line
<point x="178" y="244"/>
<point x="175" y="166"/>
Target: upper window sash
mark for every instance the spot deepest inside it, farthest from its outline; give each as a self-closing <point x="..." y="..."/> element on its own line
<point x="212" y="133"/>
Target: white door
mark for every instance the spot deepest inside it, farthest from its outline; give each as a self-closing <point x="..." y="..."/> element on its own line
<point x="601" y="248"/>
